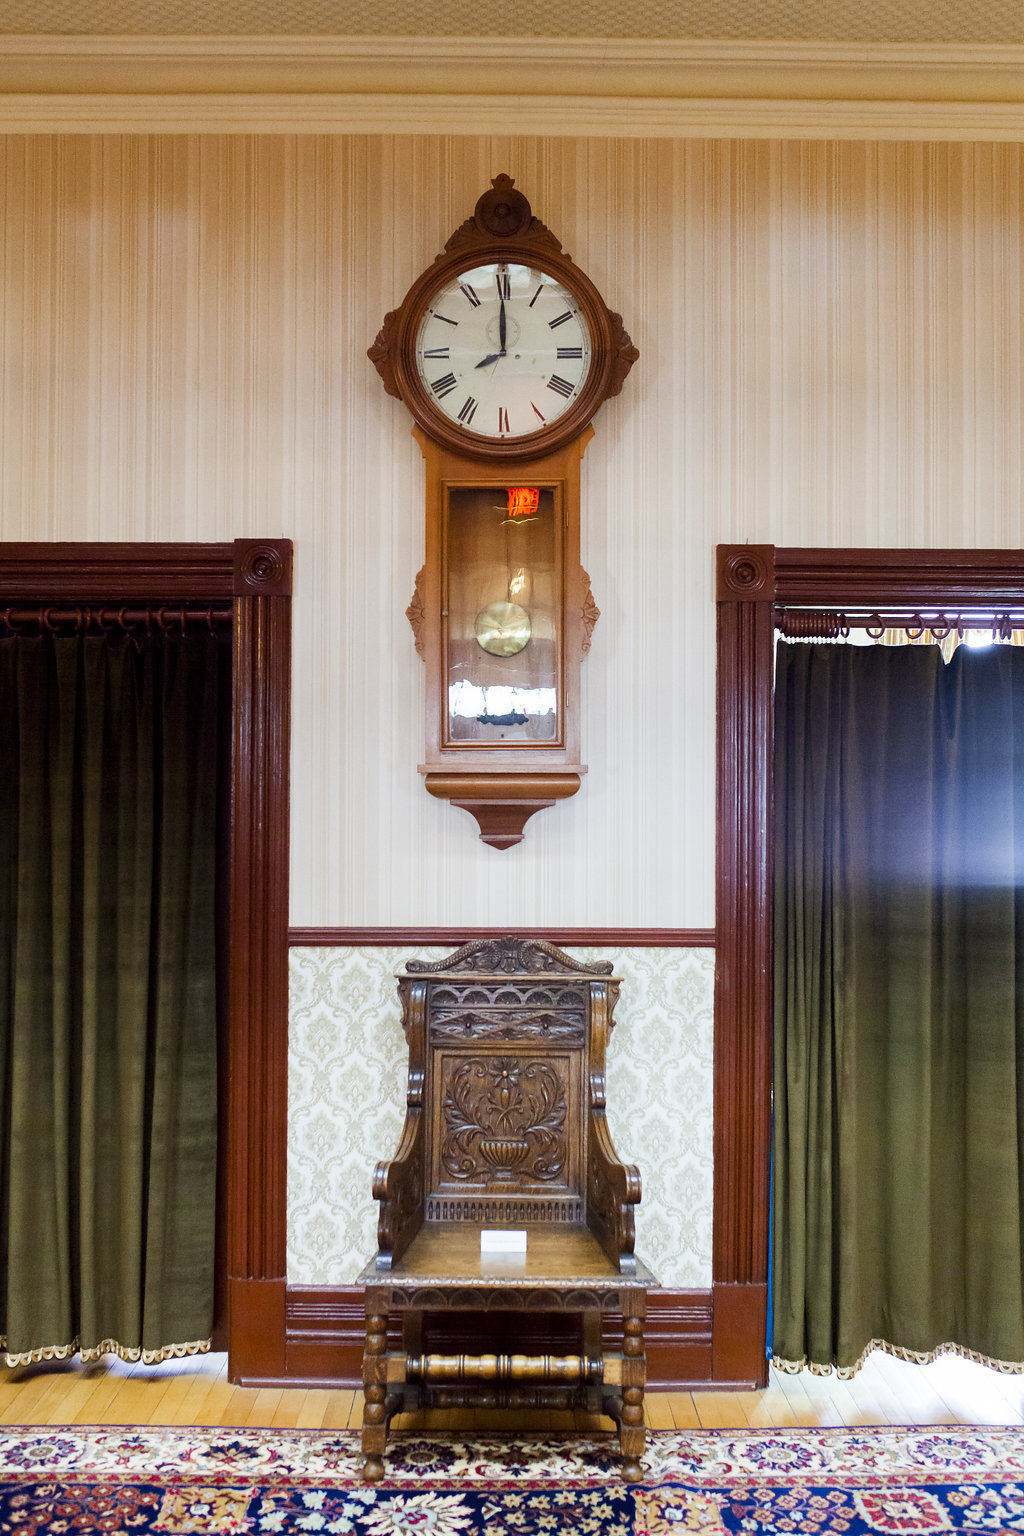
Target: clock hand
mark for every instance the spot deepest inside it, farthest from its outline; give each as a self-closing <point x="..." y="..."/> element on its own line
<point x="494" y="357"/>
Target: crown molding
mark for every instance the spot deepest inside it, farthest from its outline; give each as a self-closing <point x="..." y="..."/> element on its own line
<point x="588" y="117"/>
<point x="471" y="85"/>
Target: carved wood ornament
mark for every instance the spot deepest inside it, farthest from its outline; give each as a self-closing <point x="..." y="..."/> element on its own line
<point x="504" y="1119"/>
<point x="503" y="351"/>
<point x="506" y="1126"/>
<point x="506" y="1096"/>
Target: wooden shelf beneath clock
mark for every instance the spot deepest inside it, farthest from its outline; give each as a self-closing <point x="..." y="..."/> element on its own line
<point x="503" y="803"/>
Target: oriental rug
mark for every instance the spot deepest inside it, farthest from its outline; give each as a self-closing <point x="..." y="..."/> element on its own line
<point x="787" y="1482"/>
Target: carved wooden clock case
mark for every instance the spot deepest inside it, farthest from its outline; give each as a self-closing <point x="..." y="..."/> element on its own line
<point x="502" y="350"/>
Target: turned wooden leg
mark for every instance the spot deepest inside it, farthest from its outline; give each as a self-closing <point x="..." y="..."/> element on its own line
<point x="593" y="1350"/>
<point x="632" y="1434"/>
<point x="412" y="1345"/>
<point x="375" y="1378"/>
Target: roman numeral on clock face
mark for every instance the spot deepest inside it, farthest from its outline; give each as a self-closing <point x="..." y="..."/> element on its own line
<point x="444" y="386"/>
<point x="442" y="352"/>
<point x="470" y="293"/>
<point x="560" y="319"/>
<point x="504" y="285"/>
<point x="502" y="420"/>
<point x="468" y="410"/>
<point x="560" y="386"/>
<point x="569" y="352"/>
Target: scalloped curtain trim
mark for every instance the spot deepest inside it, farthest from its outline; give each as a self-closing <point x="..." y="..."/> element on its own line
<point x="127" y="1352"/>
<point x="916" y="1357"/>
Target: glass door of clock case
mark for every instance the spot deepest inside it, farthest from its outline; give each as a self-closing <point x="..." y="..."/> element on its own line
<point x="502" y="608"/>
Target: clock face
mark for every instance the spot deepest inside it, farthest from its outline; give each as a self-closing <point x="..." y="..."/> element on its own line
<point x="503" y="350"/>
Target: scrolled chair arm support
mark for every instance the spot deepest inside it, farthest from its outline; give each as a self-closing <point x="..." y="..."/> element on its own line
<point x="398" y="1186"/>
<point x="613" y="1189"/>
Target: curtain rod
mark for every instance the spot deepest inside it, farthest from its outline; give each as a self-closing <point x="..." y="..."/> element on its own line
<point x="106" y="618"/>
<point x="835" y="624"/>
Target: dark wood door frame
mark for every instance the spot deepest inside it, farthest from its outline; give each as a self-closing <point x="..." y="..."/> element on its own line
<point x="751" y="580"/>
<point x="255" y="577"/>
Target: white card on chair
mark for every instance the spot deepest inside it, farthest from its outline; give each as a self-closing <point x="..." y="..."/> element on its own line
<point x="502" y="1240"/>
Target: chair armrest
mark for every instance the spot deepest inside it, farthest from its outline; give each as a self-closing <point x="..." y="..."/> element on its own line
<point x="398" y="1185"/>
<point x="613" y="1189"/>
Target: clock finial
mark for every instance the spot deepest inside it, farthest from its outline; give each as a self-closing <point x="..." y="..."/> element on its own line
<point x="503" y="212"/>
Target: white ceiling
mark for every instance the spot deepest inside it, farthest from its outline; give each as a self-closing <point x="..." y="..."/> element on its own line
<point x="873" y="21"/>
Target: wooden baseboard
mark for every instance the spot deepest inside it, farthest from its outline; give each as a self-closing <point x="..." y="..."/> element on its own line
<point x="257" y="1326"/>
<point x="738" y="1335"/>
<point x="325" y="1327"/>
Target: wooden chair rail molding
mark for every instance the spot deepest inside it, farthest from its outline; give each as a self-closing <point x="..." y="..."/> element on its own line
<point x="254" y="576"/>
<point x="620" y="938"/>
<point x="754" y="580"/>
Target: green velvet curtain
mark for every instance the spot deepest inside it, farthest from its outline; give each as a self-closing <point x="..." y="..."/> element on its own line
<point x="899" y="1002"/>
<point x="108" y="1038"/>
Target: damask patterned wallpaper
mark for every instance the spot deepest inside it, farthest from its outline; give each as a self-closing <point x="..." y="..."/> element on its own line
<point x="346" y="1099"/>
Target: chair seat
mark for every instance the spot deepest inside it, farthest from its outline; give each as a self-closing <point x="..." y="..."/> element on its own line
<point x="566" y="1258"/>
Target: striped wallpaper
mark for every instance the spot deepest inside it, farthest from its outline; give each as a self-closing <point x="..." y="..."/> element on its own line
<point x="831" y="353"/>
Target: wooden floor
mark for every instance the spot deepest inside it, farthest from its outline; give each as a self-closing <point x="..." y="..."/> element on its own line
<point x="196" y="1391"/>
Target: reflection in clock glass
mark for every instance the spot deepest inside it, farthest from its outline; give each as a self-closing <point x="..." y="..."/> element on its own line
<point x="503" y="350"/>
<point x="500" y="704"/>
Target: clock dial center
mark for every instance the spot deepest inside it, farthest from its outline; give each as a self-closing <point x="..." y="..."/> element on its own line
<point x="513" y="331"/>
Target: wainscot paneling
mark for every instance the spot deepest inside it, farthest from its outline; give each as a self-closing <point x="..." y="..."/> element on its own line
<point x="346" y="1099"/>
<point x="326" y="1327"/>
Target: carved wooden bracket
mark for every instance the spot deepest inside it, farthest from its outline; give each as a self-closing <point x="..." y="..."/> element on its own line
<point x="382" y="353"/>
<point x="626" y="354"/>
<point x="415" y="611"/>
<point x="502" y="803"/>
<point x="591" y="614"/>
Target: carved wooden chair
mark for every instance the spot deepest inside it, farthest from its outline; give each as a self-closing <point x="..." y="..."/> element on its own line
<point x="505" y="1129"/>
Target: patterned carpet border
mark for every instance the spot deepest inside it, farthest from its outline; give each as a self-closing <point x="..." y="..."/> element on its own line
<point x="253" y="1482"/>
<point x="697" y="1457"/>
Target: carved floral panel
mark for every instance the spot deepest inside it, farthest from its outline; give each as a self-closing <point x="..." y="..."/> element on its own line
<point x="503" y="1119"/>
<point x="347" y="1083"/>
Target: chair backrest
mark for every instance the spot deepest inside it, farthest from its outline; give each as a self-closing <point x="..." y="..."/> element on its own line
<point x="505" y="1124"/>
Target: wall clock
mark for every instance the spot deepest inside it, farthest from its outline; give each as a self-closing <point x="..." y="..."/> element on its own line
<point x="502" y="350"/>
